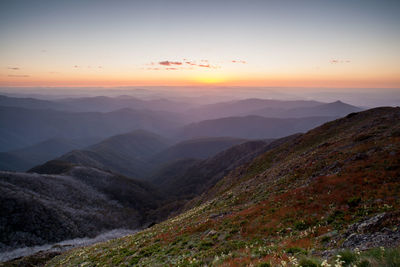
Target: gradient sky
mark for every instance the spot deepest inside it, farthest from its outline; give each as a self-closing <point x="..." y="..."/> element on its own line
<point x="321" y="43"/>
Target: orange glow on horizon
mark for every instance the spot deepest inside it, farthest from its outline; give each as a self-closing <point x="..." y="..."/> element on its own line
<point x="201" y="78"/>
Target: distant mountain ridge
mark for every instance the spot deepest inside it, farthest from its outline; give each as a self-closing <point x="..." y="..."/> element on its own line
<point x="334" y="109"/>
<point x="252" y="127"/>
<point x="22" y="127"/>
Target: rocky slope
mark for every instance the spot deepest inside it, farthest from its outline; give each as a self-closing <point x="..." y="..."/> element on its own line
<point x="334" y="187"/>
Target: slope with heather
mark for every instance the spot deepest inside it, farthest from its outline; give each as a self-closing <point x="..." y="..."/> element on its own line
<point x="336" y="186"/>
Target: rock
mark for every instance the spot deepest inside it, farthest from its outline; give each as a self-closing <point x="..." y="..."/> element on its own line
<point x="373" y="232"/>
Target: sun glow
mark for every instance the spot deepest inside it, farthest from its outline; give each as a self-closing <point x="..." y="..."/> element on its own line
<point x="211" y="79"/>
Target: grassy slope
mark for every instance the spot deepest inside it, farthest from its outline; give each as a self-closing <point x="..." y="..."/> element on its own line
<point x="284" y="201"/>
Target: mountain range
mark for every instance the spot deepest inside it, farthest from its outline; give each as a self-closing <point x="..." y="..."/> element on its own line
<point x="311" y="195"/>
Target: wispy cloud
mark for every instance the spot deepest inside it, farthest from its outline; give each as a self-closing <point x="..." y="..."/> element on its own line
<point x="339" y="61"/>
<point x="185" y="64"/>
<point x="13" y="68"/>
<point x="169" y="63"/>
<point x="18" y="76"/>
<point x="204" y="65"/>
<point x="239" y="61"/>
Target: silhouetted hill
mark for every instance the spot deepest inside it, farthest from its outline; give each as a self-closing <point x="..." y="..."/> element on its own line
<point x="334" y="109"/>
<point x="37" y="209"/>
<point x="28" y="157"/>
<point x="126" y="153"/>
<point x="30" y="103"/>
<point x="23" y="127"/>
<point x="107" y="104"/>
<point x="332" y="188"/>
<point x="200" y="148"/>
<point x="245" y="107"/>
<point x="252" y="127"/>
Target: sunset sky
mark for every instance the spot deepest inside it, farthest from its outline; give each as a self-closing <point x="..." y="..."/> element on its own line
<point x="321" y="43"/>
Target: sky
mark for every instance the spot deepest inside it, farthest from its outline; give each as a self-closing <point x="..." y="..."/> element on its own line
<point x="299" y="43"/>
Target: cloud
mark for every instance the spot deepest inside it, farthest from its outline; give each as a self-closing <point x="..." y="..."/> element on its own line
<point x="185" y="64"/>
<point x="338" y="61"/>
<point x="18" y="76"/>
<point x="204" y="65"/>
<point x="13" y="68"/>
<point x="169" y="63"/>
<point x="239" y="61"/>
<point x="190" y="63"/>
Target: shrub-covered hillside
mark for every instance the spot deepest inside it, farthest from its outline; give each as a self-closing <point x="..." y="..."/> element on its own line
<point x="335" y="187"/>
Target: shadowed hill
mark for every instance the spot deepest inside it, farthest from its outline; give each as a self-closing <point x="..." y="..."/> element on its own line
<point x="200" y="148"/>
<point x="334" y="187"/>
<point x="28" y="157"/>
<point x="126" y="153"/>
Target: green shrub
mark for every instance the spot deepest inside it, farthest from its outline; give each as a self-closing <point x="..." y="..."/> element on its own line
<point x="296" y="250"/>
<point x="305" y="262"/>
<point x="348" y="257"/>
<point x="354" y="201"/>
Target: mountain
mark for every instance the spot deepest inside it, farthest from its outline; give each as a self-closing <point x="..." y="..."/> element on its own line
<point x="200" y="148"/>
<point x="37" y="209"/>
<point x="246" y="107"/>
<point x="107" y="104"/>
<point x="251" y="127"/>
<point x="334" y="109"/>
<point x="126" y="153"/>
<point x="305" y="200"/>
<point x="24" y="127"/>
<point x="30" y="103"/>
<point x="28" y="157"/>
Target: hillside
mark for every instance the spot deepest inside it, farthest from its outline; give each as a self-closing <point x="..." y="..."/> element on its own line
<point x="334" y="187"/>
<point x="22" y="127"/>
<point x="252" y="127"/>
<point x="37" y="209"/>
<point x="126" y="153"/>
<point x="183" y="180"/>
<point x="199" y="148"/>
<point x="28" y="157"/>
